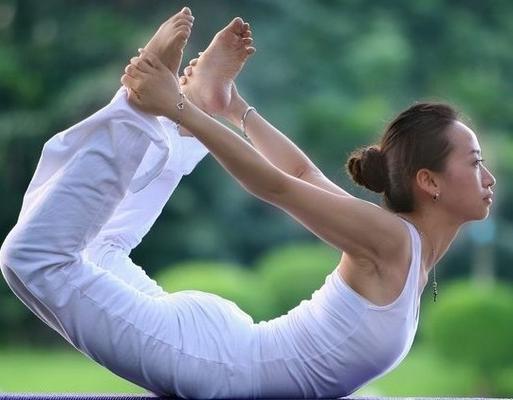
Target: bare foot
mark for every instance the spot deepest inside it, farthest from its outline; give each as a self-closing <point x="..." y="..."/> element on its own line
<point x="210" y="87"/>
<point x="171" y="39"/>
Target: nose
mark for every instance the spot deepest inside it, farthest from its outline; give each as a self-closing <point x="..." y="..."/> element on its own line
<point x="489" y="179"/>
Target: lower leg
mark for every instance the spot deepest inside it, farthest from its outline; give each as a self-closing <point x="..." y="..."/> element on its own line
<point x="137" y="212"/>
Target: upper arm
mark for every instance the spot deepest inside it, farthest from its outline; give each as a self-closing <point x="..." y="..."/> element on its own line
<point x="355" y="226"/>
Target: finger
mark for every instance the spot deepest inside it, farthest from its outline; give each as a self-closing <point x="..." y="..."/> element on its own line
<point x="133" y="71"/>
<point x="141" y="64"/>
<point x="182" y="80"/>
<point x="127" y="70"/>
<point x="153" y="59"/>
<point x="193" y="62"/>
<point x="129" y="81"/>
<point x="133" y="96"/>
<point x="142" y="56"/>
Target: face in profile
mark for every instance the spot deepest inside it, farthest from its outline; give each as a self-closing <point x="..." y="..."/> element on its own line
<point x="466" y="181"/>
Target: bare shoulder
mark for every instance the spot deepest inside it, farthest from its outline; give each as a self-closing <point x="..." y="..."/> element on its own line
<point x="380" y="278"/>
<point x="396" y="236"/>
<point x="386" y="231"/>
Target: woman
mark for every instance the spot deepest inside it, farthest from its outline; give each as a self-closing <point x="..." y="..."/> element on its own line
<point x="359" y="325"/>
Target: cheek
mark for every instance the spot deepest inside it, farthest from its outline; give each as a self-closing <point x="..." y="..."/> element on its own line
<point x="460" y="184"/>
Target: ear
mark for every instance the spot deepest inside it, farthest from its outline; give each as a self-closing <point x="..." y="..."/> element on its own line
<point x="427" y="181"/>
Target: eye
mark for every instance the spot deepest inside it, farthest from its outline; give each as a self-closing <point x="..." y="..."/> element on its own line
<point x="478" y="161"/>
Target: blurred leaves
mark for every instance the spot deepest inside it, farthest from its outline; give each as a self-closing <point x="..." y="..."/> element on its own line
<point x="473" y="325"/>
<point x="228" y="281"/>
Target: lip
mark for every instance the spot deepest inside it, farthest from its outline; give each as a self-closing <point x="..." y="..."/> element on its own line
<point x="489" y="197"/>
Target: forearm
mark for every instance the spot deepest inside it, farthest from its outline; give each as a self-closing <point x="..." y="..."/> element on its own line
<point x="269" y="141"/>
<point x="279" y="149"/>
<point x="254" y="172"/>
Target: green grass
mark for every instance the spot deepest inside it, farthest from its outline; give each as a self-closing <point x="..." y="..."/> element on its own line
<point x="424" y="374"/>
<point x="40" y="370"/>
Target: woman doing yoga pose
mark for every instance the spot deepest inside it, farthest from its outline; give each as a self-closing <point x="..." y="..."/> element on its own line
<point x="100" y="185"/>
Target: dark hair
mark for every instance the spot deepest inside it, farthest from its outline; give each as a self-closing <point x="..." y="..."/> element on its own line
<point x="417" y="138"/>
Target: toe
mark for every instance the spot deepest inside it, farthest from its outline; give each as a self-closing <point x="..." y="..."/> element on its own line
<point x="247" y="41"/>
<point x="247" y="33"/>
<point x="236" y="25"/>
<point x="182" y="35"/>
<point x="250" y="50"/>
<point x="182" y="22"/>
<point x="193" y="62"/>
<point x="188" y="70"/>
<point x="182" y="80"/>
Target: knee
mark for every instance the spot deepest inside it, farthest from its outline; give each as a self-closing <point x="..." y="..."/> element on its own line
<point x="24" y="254"/>
<point x="13" y="249"/>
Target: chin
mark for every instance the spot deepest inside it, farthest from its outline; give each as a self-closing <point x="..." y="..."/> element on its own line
<point x="484" y="214"/>
<point x="478" y="216"/>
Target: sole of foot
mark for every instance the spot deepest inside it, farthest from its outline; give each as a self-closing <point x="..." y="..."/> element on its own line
<point x="170" y="39"/>
<point x="209" y="87"/>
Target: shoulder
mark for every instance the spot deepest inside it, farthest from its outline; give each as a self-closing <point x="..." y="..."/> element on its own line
<point x="390" y="234"/>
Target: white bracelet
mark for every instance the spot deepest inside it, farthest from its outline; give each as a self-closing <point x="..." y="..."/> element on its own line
<point x="243" y="121"/>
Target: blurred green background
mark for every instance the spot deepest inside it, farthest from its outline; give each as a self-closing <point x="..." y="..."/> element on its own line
<point x="328" y="73"/>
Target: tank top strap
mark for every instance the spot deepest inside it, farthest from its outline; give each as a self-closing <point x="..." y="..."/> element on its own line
<point x="416" y="253"/>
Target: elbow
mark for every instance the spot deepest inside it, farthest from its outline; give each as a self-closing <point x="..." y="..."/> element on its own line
<point x="307" y="170"/>
<point x="302" y="170"/>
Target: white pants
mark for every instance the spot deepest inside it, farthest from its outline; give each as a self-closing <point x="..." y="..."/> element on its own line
<point x="67" y="258"/>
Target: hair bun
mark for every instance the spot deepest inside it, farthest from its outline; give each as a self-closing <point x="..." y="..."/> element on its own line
<point x="367" y="167"/>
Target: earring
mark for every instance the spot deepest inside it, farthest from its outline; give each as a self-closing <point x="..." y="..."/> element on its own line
<point x="436" y="196"/>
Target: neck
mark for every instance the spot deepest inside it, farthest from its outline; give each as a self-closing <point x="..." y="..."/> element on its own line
<point x="438" y="231"/>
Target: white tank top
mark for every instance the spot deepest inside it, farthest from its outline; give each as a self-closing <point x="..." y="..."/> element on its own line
<point x="338" y="340"/>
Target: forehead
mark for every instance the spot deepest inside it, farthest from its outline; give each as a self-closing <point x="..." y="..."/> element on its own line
<point x="464" y="140"/>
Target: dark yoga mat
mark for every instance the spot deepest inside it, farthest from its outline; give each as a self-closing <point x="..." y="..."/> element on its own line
<point x="86" y="396"/>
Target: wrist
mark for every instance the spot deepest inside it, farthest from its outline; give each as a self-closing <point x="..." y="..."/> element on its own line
<point x="179" y="109"/>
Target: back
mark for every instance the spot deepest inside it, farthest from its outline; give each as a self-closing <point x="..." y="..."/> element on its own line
<point x="337" y="341"/>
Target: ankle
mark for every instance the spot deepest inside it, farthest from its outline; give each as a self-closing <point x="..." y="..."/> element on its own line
<point x="237" y="108"/>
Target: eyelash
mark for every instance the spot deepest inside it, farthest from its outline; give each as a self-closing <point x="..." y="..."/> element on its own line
<point x="478" y="161"/>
